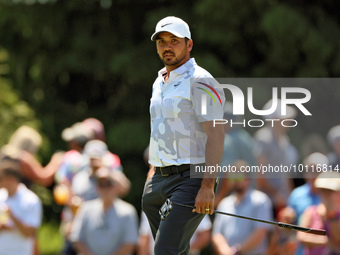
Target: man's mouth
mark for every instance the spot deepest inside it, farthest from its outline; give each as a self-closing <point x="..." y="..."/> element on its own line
<point x="168" y="54"/>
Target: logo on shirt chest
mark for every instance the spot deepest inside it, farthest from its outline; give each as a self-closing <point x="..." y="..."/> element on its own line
<point x="177" y="84"/>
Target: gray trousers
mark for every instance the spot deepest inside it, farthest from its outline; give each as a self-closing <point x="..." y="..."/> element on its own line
<point x="172" y="236"/>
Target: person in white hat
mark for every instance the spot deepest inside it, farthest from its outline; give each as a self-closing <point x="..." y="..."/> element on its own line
<point x="326" y="216"/>
<point x="182" y="136"/>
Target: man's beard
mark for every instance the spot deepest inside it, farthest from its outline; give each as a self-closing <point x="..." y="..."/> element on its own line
<point x="172" y="62"/>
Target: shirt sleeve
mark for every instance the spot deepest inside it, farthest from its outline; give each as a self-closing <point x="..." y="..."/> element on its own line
<point x="33" y="215"/>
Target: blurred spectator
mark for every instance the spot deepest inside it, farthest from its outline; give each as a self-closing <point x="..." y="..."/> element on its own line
<point x="313" y="143"/>
<point x="232" y="235"/>
<point x="283" y="241"/>
<point x="198" y="242"/>
<point x="23" y="145"/>
<point x="326" y="216"/>
<point x="97" y="127"/>
<point x="20" y="212"/>
<point x="84" y="185"/>
<point x="238" y="145"/>
<point x="76" y="136"/>
<point x="106" y="225"/>
<point x="307" y="194"/>
<point x="75" y="159"/>
<point x="334" y="141"/>
<point x="274" y="148"/>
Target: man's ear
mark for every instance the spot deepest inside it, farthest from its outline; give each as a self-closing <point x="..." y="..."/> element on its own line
<point x="190" y="44"/>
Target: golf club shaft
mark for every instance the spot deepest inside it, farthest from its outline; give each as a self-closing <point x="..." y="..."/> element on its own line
<point x="279" y="224"/>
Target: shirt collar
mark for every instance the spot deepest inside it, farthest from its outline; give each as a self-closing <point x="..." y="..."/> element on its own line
<point x="181" y="69"/>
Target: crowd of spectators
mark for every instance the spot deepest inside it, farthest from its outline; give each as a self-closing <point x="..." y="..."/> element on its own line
<point x="90" y="184"/>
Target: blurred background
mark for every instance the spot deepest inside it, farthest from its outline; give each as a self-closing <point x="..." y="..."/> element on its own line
<point x="62" y="61"/>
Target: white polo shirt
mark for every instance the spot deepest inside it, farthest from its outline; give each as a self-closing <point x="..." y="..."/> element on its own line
<point x="177" y="108"/>
<point x="27" y="208"/>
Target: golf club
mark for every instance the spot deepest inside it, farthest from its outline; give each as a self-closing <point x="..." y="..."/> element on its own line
<point x="167" y="207"/>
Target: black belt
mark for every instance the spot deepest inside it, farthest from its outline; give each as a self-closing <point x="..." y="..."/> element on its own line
<point x="168" y="170"/>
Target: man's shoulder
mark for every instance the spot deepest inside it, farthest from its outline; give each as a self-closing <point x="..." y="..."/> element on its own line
<point x="259" y="196"/>
<point x="200" y="72"/>
<point x="124" y="207"/>
<point x="28" y="196"/>
<point x="227" y="202"/>
<point x="299" y="191"/>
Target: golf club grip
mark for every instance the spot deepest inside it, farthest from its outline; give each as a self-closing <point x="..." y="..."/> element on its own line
<point x="319" y="232"/>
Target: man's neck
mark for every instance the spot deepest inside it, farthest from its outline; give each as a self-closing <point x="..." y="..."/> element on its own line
<point x="240" y="196"/>
<point x="107" y="204"/>
<point x="13" y="190"/>
<point x="169" y="69"/>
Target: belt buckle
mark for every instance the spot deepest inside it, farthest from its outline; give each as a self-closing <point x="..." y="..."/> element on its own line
<point x="160" y="169"/>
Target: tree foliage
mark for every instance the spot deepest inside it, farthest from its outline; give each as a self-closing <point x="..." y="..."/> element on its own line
<point x="69" y="60"/>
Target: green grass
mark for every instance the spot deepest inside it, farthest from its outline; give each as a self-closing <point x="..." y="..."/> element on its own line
<point x="50" y="241"/>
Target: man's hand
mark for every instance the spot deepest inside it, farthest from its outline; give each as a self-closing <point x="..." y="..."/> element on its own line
<point x="204" y="202"/>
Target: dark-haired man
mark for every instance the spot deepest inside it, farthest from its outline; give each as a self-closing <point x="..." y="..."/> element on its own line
<point x="184" y="104"/>
<point x="20" y="211"/>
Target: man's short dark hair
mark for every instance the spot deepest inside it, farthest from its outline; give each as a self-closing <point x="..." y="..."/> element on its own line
<point x="10" y="167"/>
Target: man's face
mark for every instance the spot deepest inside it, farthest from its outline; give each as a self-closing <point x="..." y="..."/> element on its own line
<point x="172" y="50"/>
<point x="96" y="163"/>
<point x="106" y="189"/>
<point x="239" y="185"/>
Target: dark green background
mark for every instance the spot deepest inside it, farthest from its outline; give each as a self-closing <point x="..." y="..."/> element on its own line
<point x="62" y="61"/>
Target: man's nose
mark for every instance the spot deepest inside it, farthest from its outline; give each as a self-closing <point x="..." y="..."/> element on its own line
<point x="167" y="46"/>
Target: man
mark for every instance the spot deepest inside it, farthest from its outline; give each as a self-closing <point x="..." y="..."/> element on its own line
<point x="84" y="182"/>
<point x="106" y="225"/>
<point x="182" y="136"/>
<point x="238" y="145"/>
<point x="84" y="185"/>
<point x="233" y="235"/>
<point x="20" y="209"/>
<point x="273" y="148"/>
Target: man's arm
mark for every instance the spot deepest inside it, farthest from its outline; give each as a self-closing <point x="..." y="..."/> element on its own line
<point x="143" y="244"/>
<point x="213" y="156"/>
<point x="201" y="241"/>
<point x="220" y="245"/>
<point x="254" y="240"/>
<point x="82" y="248"/>
<point x="125" y="249"/>
<point x="151" y="172"/>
